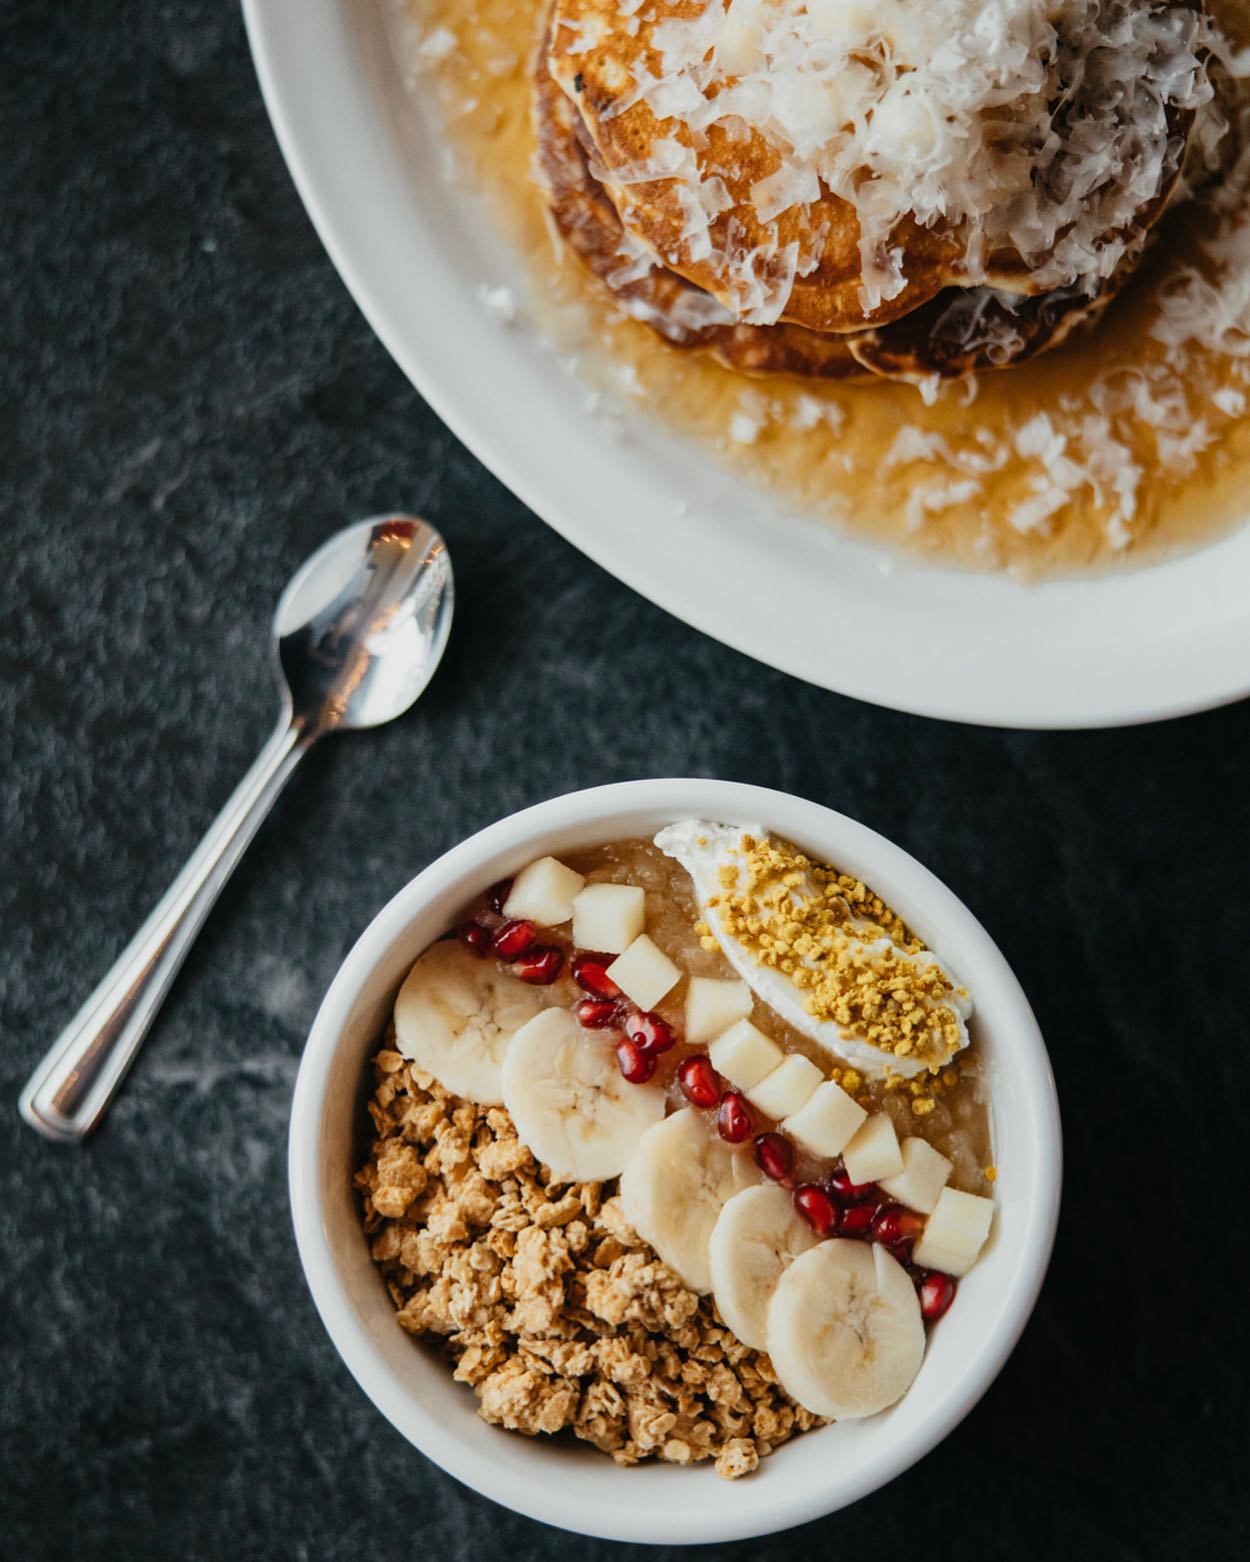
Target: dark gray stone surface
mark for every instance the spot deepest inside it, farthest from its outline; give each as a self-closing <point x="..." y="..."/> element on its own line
<point x="191" y="402"/>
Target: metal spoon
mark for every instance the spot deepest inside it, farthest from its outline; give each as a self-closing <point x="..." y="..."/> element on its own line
<point x="357" y="635"/>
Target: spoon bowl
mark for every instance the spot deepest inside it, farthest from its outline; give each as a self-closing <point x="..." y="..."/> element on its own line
<point x="363" y="623"/>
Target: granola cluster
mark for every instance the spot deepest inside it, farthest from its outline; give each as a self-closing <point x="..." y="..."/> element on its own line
<point x="549" y="1305"/>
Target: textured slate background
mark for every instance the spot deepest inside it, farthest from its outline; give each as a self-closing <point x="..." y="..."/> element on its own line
<point x="191" y="402"/>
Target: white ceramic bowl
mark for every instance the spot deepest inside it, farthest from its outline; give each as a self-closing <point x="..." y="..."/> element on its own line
<point x="416" y="253"/>
<point x="575" y="1486"/>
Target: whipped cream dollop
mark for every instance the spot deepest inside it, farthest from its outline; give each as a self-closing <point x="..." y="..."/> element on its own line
<point x="822" y="950"/>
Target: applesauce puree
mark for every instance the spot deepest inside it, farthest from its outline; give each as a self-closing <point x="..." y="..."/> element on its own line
<point x="1116" y="449"/>
<point x="952" y="1115"/>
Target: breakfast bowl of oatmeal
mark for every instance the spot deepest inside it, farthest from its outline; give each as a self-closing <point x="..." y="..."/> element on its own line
<point x="675" y="1161"/>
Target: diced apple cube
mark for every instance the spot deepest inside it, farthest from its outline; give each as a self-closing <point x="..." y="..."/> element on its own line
<point x="644" y="973"/>
<point x="713" y="1005"/>
<point x="543" y="893"/>
<point x="608" y="917"/>
<point x="938" y="1258"/>
<point x="743" y="1054"/>
<point x="827" y="1121"/>
<point x="955" y="1232"/>
<point x="922" y="1178"/>
<point x="787" y="1087"/>
<point x="873" y="1153"/>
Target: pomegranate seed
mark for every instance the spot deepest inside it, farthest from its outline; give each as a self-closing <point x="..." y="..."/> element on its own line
<point x="774" y="1155"/>
<point x="733" y="1118"/>
<point x="894" y="1226"/>
<point x="816" y="1208"/>
<point x="539" y="966"/>
<point x="514" y="938"/>
<point x="841" y="1186"/>
<point x="590" y="972"/>
<point x="475" y="937"/>
<point x="856" y="1220"/>
<point x="937" y="1292"/>
<point x="497" y="894"/>
<point x="636" y="1065"/>
<point x="650" y="1032"/>
<point x="699" y="1081"/>
<point x="596" y="1013"/>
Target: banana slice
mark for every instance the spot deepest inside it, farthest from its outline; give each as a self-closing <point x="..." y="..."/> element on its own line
<point x="455" y="1015"/>
<point x="757" y="1236"/>
<point x="674" y="1186"/>
<point x="569" y="1101"/>
<point x="844" y="1330"/>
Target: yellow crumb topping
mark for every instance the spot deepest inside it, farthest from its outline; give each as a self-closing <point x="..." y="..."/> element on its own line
<point x="706" y="936"/>
<point x="991" y="1174"/>
<point x="852" y="955"/>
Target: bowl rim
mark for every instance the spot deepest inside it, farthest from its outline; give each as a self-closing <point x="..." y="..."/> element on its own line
<point x="555" y="1503"/>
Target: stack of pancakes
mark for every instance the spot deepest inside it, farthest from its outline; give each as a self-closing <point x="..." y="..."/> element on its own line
<point x="604" y="153"/>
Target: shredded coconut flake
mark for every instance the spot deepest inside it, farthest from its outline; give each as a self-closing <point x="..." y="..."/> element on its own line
<point x="437" y="45"/>
<point x="1040" y="127"/>
<point x="501" y="301"/>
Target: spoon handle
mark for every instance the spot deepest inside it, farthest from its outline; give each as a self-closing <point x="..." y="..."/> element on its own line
<point x="68" y="1093"/>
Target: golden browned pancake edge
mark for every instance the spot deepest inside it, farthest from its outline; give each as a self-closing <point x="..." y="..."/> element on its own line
<point x="590" y="225"/>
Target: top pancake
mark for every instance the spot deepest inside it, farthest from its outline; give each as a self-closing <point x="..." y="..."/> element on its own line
<point x="960" y="331"/>
<point x="601" y="49"/>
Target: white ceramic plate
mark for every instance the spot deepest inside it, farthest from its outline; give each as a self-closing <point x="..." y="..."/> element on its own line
<point x="414" y="253"/>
